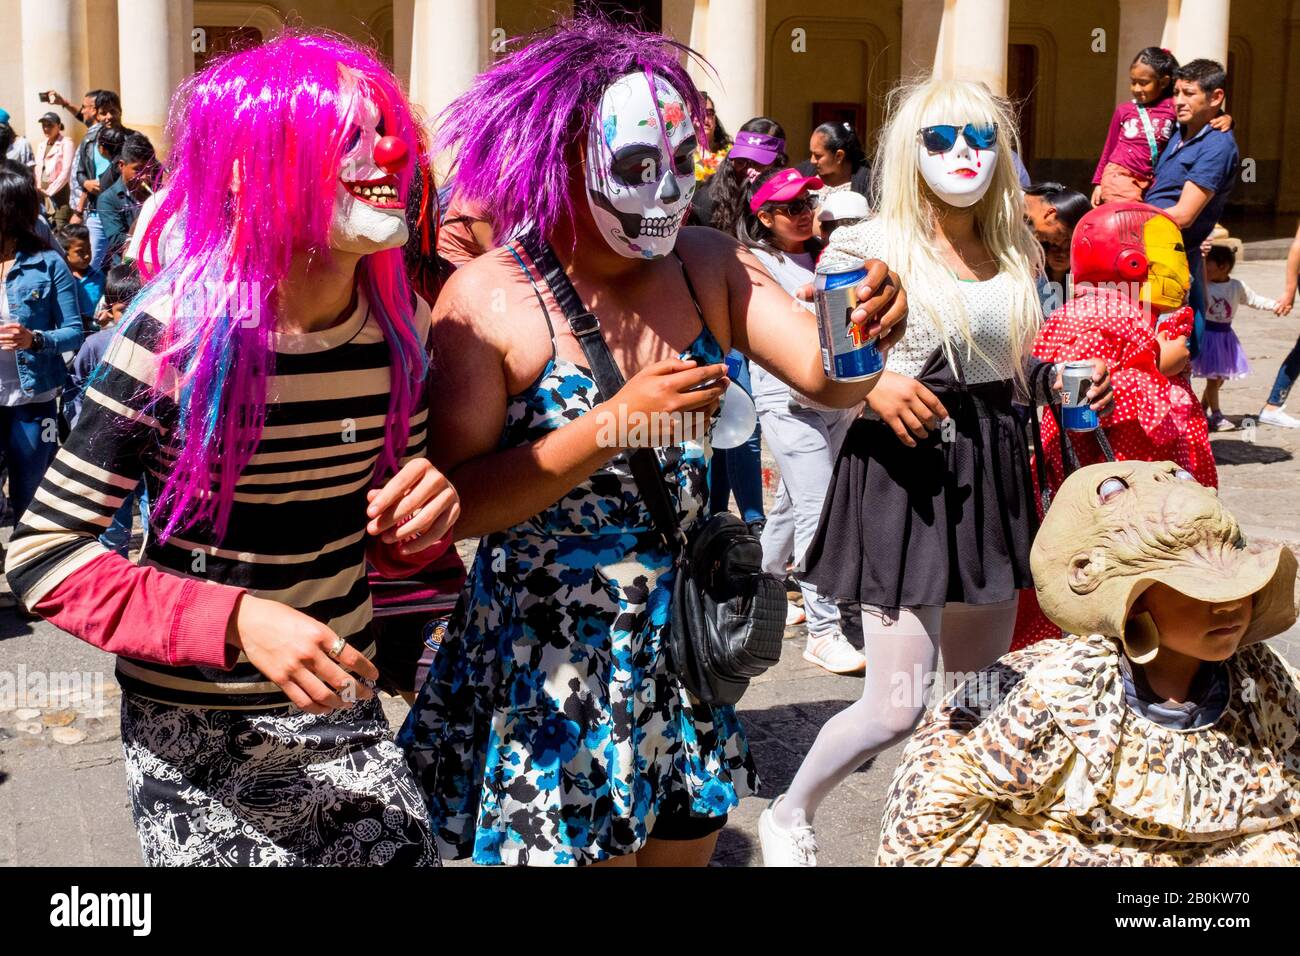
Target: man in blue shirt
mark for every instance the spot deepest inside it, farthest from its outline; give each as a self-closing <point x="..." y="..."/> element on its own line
<point x="1197" y="170"/>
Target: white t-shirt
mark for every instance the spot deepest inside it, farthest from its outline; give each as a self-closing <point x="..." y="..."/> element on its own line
<point x="790" y="270"/>
<point x="1225" y="297"/>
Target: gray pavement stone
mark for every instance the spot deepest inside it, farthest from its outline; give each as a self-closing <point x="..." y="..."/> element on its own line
<point x="67" y="805"/>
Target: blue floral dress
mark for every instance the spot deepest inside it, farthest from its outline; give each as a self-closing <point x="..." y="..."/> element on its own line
<point x="549" y="731"/>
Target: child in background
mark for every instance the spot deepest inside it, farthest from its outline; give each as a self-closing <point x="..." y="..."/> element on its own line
<point x="75" y="240"/>
<point x="121" y="286"/>
<point x="1139" y="129"/>
<point x="1221" y="356"/>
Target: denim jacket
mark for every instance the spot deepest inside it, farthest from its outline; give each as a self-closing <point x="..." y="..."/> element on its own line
<point x="43" y="297"/>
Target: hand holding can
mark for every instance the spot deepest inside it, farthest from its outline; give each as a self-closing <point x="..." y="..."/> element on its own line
<point x="1076" y="382"/>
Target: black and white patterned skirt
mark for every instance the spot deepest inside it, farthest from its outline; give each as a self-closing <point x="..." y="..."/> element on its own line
<point x="271" y="788"/>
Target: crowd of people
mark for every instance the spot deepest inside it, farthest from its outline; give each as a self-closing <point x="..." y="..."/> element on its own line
<point x="314" y="366"/>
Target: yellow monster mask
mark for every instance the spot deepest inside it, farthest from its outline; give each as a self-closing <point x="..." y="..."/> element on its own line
<point x="1168" y="275"/>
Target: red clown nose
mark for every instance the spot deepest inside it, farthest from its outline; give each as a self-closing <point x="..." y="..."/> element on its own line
<point x="391" y="154"/>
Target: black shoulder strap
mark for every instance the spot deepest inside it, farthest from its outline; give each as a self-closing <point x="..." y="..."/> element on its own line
<point x="604" y="371"/>
<point x="1069" y="460"/>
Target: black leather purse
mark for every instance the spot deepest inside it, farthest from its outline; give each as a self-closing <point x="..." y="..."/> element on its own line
<point x="728" y="617"/>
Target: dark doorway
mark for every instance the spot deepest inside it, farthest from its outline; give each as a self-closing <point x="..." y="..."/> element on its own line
<point x="851" y="113"/>
<point x="647" y="14"/>
<point x="1022" y="90"/>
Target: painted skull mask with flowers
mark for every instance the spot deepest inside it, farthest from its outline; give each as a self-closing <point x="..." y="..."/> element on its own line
<point x="641" y="165"/>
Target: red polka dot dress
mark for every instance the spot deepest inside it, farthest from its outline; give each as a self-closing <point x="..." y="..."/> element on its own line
<point x="1154" y="418"/>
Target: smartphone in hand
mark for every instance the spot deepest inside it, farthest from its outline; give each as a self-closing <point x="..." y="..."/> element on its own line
<point x="44" y="97"/>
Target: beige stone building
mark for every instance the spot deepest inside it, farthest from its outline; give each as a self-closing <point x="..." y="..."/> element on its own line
<point x="799" y="61"/>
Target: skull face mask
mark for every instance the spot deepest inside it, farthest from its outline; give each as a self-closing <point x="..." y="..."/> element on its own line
<point x="640" y="165"/>
<point x="369" y="212"/>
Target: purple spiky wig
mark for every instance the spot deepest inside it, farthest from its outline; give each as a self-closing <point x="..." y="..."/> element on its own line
<point x="510" y="132"/>
<point x="258" y="141"/>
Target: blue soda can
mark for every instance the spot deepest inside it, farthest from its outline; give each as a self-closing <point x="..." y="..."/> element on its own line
<point x="847" y="354"/>
<point x="1076" y="379"/>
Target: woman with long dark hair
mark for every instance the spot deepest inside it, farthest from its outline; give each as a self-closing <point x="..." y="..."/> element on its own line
<point x="838" y="159"/>
<point x="40" y="319"/>
<point x="718" y="202"/>
<point x="716" y="142"/>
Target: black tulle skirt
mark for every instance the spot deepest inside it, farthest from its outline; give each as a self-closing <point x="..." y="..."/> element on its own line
<point x="949" y="520"/>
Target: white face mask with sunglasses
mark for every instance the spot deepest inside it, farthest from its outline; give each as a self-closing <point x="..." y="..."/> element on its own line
<point x="957" y="162"/>
<point x="641" y="165"/>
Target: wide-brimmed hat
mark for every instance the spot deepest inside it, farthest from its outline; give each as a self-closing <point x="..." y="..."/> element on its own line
<point x="1100" y="547"/>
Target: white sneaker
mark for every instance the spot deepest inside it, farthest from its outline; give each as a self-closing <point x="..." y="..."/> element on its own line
<point x="1221" y="423"/>
<point x="794" y="614"/>
<point x="1275" y="416"/>
<point x="833" y="651"/>
<point x="781" y="847"/>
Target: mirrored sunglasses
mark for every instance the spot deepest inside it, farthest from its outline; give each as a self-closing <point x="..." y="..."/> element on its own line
<point x="940" y="139"/>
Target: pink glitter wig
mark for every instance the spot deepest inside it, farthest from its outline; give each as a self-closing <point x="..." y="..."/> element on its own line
<point x="258" y="142"/>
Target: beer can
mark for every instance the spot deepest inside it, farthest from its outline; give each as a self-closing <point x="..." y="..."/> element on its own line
<point x="1076" y="379"/>
<point x="847" y="354"/>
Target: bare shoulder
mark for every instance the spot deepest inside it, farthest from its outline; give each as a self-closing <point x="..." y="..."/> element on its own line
<point x="467" y="297"/>
<point x="718" y="264"/>
<point x="708" y="251"/>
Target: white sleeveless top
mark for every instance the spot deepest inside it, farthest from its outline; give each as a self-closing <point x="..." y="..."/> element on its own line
<point x="988" y="306"/>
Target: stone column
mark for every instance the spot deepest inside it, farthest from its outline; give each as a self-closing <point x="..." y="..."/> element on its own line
<point x="1203" y="31"/>
<point x="450" y="45"/>
<point x="47" y="63"/>
<point x="1142" y="23"/>
<point x="975" y="38"/>
<point x="154" y="46"/>
<point x="737" y="34"/>
<point x="956" y="39"/>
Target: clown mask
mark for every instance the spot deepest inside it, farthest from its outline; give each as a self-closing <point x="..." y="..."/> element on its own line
<point x="957" y="162"/>
<point x="640" y="165"/>
<point x="369" y="214"/>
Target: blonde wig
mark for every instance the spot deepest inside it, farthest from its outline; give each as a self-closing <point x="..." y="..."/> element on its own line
<point x="905" y="206"/>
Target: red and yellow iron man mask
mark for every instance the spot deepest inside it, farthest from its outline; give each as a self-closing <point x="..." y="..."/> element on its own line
<point x="1135" y="244"/>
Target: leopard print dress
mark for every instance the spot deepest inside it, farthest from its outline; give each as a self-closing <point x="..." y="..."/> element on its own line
<point x="1038" y="761"/>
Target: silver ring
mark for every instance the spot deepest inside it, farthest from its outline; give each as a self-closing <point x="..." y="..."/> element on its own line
<point x="337" y="647"/>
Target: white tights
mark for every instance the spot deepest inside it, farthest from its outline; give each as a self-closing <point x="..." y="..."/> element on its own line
<point x="902" y="647"/>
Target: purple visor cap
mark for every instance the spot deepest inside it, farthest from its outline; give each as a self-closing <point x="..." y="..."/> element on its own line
<point x="758" y="147"/>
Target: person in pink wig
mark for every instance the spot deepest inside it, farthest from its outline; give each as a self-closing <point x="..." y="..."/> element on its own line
<point x="268" y="386"/>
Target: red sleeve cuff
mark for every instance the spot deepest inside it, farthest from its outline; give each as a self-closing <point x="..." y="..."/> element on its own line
<point x="391" y="563"/>
<point x="198" y="626"/>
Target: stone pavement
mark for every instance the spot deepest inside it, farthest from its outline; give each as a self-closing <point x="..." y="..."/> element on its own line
<point x="65" y="803"/>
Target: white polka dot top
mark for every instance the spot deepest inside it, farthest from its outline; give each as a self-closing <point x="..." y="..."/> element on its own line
<point x="987" y="310"/>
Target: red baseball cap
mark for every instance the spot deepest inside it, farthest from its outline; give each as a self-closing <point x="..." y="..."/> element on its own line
<point x="785" y="185"/>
